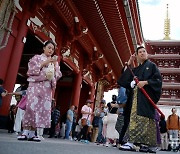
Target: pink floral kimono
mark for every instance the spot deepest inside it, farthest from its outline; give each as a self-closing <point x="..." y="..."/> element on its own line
<point x="39" y="93"/>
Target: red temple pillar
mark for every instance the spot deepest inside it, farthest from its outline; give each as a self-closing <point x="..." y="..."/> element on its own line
<point x="12" y="71"/>
<point x="77" y="89"/>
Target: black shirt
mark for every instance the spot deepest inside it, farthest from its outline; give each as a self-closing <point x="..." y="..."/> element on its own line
<point x="112" y="110"/>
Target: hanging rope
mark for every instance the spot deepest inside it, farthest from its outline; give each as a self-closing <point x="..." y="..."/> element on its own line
<point x="6" y="13"/>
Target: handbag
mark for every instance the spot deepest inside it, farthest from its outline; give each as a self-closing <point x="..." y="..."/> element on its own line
<point x="22" y="103"/>
<point x="84" y="122"/>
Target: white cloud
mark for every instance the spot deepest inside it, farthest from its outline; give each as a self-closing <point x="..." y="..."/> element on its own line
<point x="153" y="13"/>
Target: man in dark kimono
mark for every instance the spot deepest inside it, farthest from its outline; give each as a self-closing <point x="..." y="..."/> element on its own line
<point x="142" y="127"/>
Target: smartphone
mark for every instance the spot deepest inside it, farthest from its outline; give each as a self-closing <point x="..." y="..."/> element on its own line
<point x="55" y="57"/>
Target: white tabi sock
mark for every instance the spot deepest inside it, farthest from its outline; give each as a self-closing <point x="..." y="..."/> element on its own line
<point x="26" y="132"/>
<point x="40" y="133"/>
<point x="31" y="134"/>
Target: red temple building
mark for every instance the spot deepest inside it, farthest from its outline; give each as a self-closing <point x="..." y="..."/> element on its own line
<point x="94" y="40"/>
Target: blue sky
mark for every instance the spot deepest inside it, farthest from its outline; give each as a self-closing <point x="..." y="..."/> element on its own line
<point x="153" y="13"/>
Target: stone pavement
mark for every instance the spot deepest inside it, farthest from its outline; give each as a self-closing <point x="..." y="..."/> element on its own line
<point x="10" y="145"/>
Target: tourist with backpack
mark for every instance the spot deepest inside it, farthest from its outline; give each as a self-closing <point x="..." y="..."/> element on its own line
<point x="173" y="127"/>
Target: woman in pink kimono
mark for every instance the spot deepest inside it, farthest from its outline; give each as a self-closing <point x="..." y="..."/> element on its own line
<point x="43" y="72"/>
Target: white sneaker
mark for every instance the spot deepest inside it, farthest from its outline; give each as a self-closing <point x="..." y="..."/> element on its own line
<point x="70" y="138"/>
<point x="41" y="137"/>
<point x="35" y="138"/>
<point x="75" y="138"/>
<point x="107" y="144"/>
<point x="128" y="147"/>
<point x="22" y="137"/>
<point x="114" y="145"/>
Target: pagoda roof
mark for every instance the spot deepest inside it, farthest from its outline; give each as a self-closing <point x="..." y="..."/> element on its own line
<point x="164" y="56"/>
<point x="170" y="85"/>
<point x="169" y="70"/>
<point x="162" y="42"/>
<point x="169" y="101"/>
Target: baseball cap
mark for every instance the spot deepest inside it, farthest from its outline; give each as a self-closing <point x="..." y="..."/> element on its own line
<point x="89" y="101"/>
<point x="103" y="101"/>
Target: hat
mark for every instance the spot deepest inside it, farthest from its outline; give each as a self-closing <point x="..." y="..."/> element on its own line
<point x="89" y="101"/>
<point x="103" y="101"/>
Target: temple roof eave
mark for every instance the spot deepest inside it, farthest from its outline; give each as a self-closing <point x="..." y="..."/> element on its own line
<point x="113" y="27"/>
<point x="169" y="70"/>
<point x="163" y="42"/>
<point x="169" y="101"/>
<point x="108" y="24"/>
<point x="170" y="85"/>
<point x="164" y="56"/>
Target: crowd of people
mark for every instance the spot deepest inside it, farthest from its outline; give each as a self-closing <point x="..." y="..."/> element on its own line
<point x="128" y="122"/>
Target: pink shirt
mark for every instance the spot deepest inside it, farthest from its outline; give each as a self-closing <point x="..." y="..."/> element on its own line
<point x="85" y="108"/>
